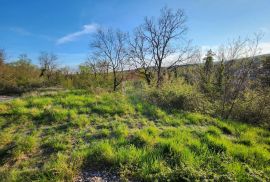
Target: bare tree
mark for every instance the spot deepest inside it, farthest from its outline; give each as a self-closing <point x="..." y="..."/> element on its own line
<point x="91" y="63"/>
<point x="48" y="64"/>
<point x="163" y="36"/>
<point x="2" y="56"/>
<point x="240" y="56"/>
<point x="111" y="45"/>
<point x="140" y="55"/>
<point x="103" y="67"/>
<point x="24" y="57"/>
<point x="2" y="67"/>
<point x="97" y="65"/>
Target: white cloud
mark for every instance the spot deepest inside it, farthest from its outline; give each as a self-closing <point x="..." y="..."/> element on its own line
<point x="87" y="29"/>
<point x="265" y="47"/>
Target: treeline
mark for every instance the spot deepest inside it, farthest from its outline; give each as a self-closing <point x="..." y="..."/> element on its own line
<point x="18" y="76"/>
<point x="157" y="58"/>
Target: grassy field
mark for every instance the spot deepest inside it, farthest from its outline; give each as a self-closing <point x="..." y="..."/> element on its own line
<point x="56" y="135"/>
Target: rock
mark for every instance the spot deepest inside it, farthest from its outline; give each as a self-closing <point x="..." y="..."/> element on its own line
<point x="97" y="176"/>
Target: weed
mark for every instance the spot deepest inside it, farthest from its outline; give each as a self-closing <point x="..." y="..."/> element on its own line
<point x="25" y="145"/>
<point x="61" y="133"/>
<point x="215" y="144"/>
<point x="214" y="131"/>
<point x="102" y="152"/>
<point x="80" y="120"/>
<point x="58" y="143"/>
<point x="120" y="131"/>
<point x="56" y="114"/>
<point x="58" y="168"/>
<point x="4" y="109"/>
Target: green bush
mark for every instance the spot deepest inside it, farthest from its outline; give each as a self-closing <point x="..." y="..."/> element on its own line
<point x="179" y="95"/>
<point x="253" y="107"/>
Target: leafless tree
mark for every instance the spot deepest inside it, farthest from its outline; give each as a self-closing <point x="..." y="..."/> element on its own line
<point x="164" y="35"/>
<point x="91" y="63"/>
<point x="103" y="67"/>
<point x="24" y="57"/>
<point x="2" y="60"/>
<point x="97" y="65"/>
<point x="111" y="46"/>
<point x="2" y="56"/>
<point x="48" y="64"/>
<point x="66" y="72"/>
<point x="140" y="56"/>
<point x="240" y="56"/>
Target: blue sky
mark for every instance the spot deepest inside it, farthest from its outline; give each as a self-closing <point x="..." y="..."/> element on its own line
<point x="65" y="26"/>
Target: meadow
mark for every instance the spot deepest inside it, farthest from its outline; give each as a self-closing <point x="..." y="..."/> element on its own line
<point x="55" y="136"/>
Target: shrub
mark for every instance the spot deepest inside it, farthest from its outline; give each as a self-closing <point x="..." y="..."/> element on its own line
<point x="253" y="107"/>
<point x="179" y="95"/>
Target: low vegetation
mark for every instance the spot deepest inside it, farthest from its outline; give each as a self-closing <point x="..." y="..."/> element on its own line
<point x="53" y="136"/>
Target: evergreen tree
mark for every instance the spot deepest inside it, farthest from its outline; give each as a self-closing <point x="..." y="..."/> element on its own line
<point x="220" y="76"/>
<point x="209" y="65"/>
<point x="208" y="70"/>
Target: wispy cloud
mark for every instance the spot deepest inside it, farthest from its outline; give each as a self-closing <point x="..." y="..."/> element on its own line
<point x="87" y="29"/>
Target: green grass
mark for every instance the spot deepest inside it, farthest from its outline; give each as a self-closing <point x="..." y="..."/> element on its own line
<point x="54" y="137"/>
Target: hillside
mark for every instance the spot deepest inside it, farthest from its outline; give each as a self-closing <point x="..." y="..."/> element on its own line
<point x="77" y="135"/>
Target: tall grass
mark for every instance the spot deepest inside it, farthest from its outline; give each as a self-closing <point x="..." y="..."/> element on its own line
<point x="55" y="137"/>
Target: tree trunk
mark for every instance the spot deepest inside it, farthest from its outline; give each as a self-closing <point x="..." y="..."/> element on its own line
<point x="147" y="77"/>
<point x="114" y="81"/>
<point x="148" y="80"/>
<point x="159" y="76"/>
